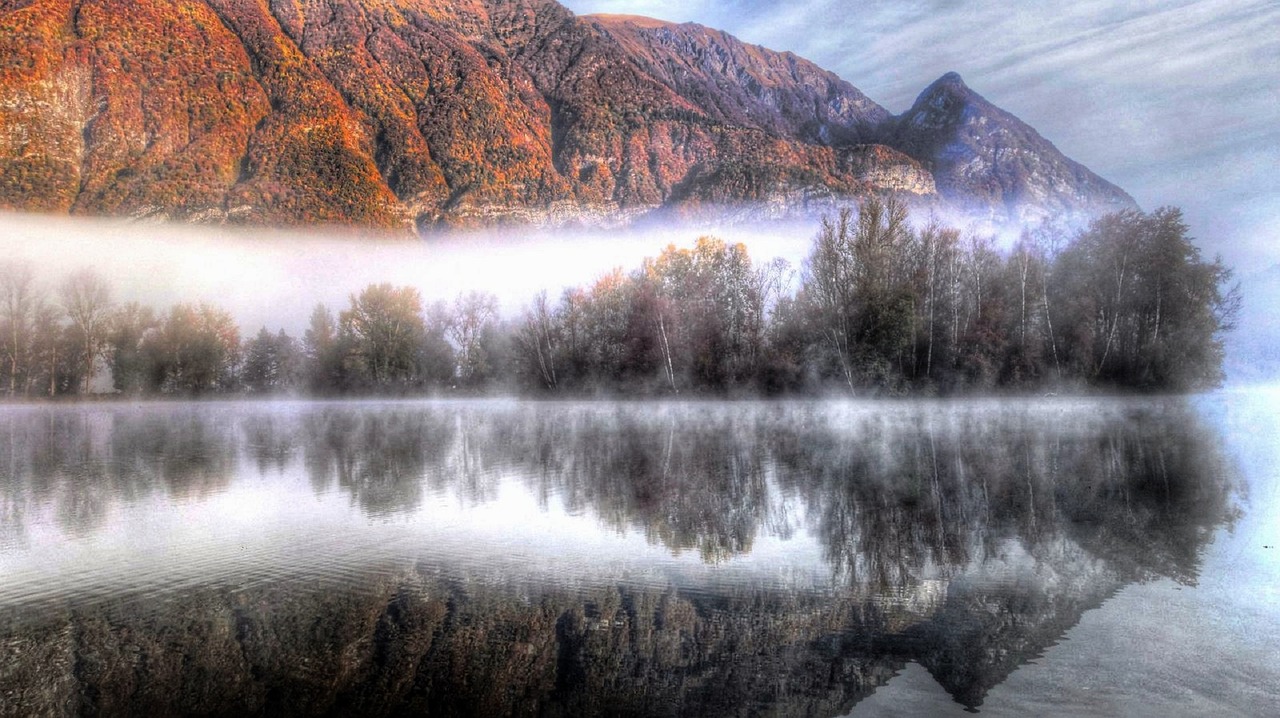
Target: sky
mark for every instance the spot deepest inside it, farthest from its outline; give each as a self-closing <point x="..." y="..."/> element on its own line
<point x="1176" y="101"/>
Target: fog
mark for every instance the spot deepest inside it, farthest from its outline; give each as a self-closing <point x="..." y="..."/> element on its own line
<point x="274" y="277"/>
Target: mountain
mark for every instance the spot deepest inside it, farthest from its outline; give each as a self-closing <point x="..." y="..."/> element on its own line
<point x="390" y="113"/>
<point x="980" y="154"/>
<point x="745" y="85"/>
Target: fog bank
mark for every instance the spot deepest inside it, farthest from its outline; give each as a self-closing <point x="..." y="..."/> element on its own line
<point x="274" y="277"/>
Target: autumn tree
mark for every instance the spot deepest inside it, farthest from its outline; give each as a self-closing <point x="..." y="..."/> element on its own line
<point x="597" y="323"/>
<point x="706" y="307"/>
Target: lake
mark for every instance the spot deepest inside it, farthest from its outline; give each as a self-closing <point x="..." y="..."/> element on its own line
<point x="1040" y="556"/>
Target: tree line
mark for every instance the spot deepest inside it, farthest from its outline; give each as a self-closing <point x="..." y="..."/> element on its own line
<point x="879" y="306"/>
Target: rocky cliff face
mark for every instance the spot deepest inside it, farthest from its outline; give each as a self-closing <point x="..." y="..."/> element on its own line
<point x="746" y="85"/>
<point x="392" y="113"/>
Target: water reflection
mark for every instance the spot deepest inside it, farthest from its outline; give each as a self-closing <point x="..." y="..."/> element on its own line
<point x="965" y="537"/>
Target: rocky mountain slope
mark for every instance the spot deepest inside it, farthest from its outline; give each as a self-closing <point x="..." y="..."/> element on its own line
<point x="981" y="155"/>
<point x="393" y="113"/>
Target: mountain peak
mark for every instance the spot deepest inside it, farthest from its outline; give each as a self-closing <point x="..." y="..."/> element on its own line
<point x="982" y="155"/>
<point x="947" y="94"/>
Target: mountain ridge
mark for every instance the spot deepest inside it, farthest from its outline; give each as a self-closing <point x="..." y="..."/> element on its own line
<point x="398" y="113"/>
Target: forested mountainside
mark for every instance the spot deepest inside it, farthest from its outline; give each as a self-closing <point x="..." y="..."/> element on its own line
<point x="430" y="113"/>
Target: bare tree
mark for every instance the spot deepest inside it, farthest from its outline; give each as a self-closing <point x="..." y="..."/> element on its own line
<point x="829" y="284"/>
<point x="538" y="334"/>
<point x="472" y="314"/>
<point x="19" y="299"/>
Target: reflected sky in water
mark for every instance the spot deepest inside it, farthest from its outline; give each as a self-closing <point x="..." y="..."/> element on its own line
<point x="617" y="545"/>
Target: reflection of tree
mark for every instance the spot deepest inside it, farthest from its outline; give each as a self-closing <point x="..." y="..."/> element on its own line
<point x="910" y="501"/>
<point x="271" y="440"/>
<point x="895" y="492"/>
<point x="387" y="457"/>
<point x="1092" y="504"/>
<point x="900" y="492"/>
<point x="189" y="451"/>
<point x="1158" y="493"/>
<point x="689" y="482"/>
<point x="82" y="460"/>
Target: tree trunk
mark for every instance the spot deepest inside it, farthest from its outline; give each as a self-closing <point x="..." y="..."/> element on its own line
<point x="666" y="353"/>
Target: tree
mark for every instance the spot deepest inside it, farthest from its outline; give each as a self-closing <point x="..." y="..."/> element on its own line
<point x="857" y="294"/>
<point x="272" y="363"/>
<point x="705" y="307"/>
<point x="385" y="333"/>
<point x="127" y="328"/>
<point x="19" y="305"/>
<point x="538" y="336"/>
<point x="1027" y="329"/>
<point x="194" y="351"/>
<point x="86" y="299"/>
<point x="321" y="353"/>
<point x="1185" y="306"/>
<point x="982" y="311"/>
<point x="439" y="360"/>
<point x="827" y="290"/>
<point x="473" y="314"/>
<point x="937" y="257"/>
<point x="53" y="366"/>
<point x="1139" y="307"/>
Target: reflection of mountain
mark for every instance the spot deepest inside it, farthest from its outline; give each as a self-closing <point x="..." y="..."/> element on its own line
<point x="421" y="645"/>
<point x="967" y="538"/>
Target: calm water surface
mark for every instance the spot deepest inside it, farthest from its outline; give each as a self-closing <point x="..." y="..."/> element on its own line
<point x="1040" y="556"/>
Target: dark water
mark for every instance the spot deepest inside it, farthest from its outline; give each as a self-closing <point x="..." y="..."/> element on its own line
<point x="1046" y="556"/>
